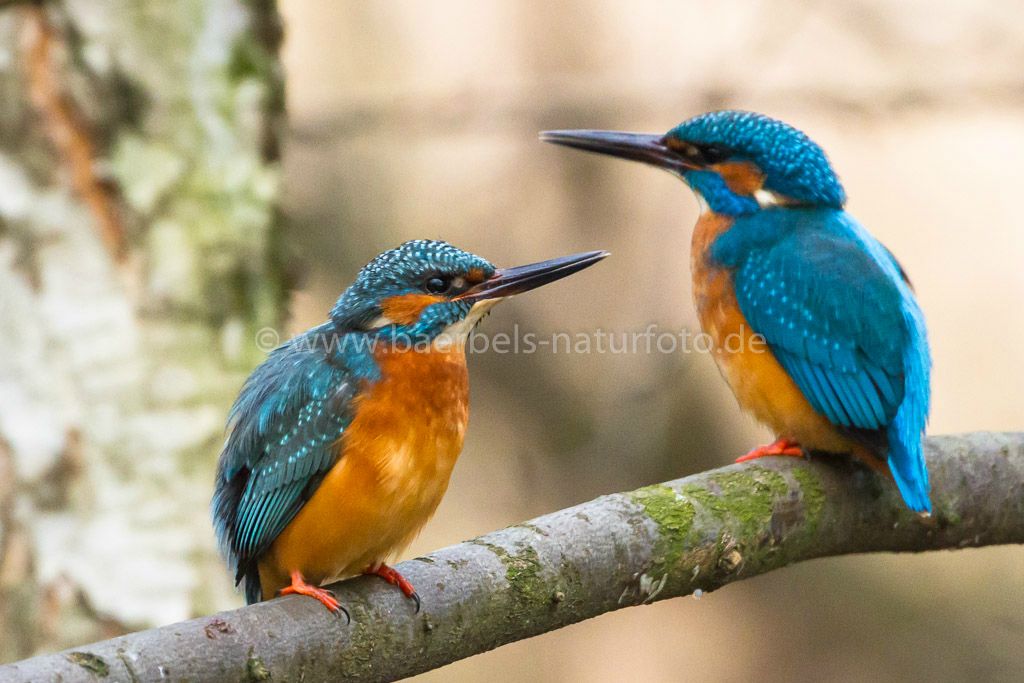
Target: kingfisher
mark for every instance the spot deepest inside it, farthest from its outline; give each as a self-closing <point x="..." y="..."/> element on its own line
<point x="341" y="443"/>
<point x="814" y="323"/>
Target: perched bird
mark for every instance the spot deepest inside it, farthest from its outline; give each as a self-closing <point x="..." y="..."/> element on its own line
<point x="341" y="444"/>
<point x="777" y="262"/>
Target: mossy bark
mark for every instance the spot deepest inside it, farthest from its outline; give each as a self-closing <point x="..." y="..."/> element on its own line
<point x="138" y="219"/>
<point x="663" y="541"/>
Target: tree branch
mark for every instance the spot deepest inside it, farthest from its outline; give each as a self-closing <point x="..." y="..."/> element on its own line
<point x="661" y="541"/>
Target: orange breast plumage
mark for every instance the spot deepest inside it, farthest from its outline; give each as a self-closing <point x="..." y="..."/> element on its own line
<point x="396" y="459"/>
<point x="760" y="383"/>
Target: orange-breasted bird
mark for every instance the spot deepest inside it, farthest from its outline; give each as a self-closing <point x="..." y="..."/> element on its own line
<point x="846" y="368"/>
<point x="341" y="444"/>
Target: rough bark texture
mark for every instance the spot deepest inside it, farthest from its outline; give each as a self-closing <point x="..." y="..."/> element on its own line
<point x="139" y="171"/>
<point x="661" y="541"/>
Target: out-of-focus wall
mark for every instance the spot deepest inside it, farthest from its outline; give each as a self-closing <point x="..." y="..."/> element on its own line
<point x="413" y="119"/>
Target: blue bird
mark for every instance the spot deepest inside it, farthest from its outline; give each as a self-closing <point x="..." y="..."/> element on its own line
<point x="815" y="325"/>
<point x="341" y="444"/>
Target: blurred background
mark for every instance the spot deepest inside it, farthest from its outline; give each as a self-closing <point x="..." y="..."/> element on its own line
<point x="174" y="178"/>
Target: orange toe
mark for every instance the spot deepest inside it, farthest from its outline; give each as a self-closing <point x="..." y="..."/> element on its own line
<point x="391" y="575"/>
<point x="782" y="446"/>
<point x="322" y="595"/>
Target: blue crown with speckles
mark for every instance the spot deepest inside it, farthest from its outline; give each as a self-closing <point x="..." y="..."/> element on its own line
<point x="793" y="164"/>
<point x="399" y="271"/>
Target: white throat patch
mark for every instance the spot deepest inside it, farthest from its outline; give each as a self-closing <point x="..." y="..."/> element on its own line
<point x="456" y="334"/>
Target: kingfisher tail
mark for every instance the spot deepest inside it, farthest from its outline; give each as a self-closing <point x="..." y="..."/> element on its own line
<point x="906" y="462"/>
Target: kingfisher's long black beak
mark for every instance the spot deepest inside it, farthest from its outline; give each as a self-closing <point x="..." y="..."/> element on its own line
<point x="645" y="147"/>
<point x="510" y="281"/>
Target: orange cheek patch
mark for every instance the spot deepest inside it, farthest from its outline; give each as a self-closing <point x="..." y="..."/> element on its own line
<point x="742" y="177"/>
<point x="475" y="276"/>
<point x="405" y="309"/>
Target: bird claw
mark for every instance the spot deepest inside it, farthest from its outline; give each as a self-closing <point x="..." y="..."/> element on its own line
<point x="391" y="575"/>
<point x="322" y="595"/>
<point x="780" y="447"/>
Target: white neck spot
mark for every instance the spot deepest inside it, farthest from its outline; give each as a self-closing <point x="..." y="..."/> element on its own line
<point x="379" y="322"/>
<point x="457" y="333"/>
<point x="767" y="199"/>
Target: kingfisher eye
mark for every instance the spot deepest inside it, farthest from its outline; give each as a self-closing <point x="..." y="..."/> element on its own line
<point x="712" y="154"/>
<point x="444" y="284"/>
<point x="438" y="284"/>
<point x="698" y="155"/>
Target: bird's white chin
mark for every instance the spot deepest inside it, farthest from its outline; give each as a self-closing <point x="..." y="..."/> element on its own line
<point x="456" y="334"/>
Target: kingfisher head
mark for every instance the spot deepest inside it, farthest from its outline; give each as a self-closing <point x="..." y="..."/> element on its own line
<point x="424" y="290"/>
<point x="738" y="162"/>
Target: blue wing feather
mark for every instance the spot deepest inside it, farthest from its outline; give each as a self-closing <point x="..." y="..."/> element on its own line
<point x="840" y="317"/>
<point x="843" y="333"/>
<point x="281" y="442"/>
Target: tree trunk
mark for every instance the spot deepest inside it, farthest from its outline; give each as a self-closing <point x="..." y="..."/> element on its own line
<point x="138" y="162"/>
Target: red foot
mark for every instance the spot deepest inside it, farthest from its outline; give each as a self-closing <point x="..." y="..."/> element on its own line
<point x="392" y="576"/>
<point x="783" y="446"/>
<point x="324" y="596"/>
